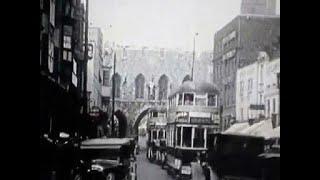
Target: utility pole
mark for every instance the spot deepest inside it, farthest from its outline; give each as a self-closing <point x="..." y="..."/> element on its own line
<point x="194" y="52"/>
<point x="113" y="95"/>
<point x="85" y="106"/>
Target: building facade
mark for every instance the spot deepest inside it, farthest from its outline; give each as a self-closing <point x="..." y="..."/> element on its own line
<point x="272" y="91"/>
<point x="146" y="76"/>
<point x="250" y="90"/>
<point x="61" y="65"/>
<point x="257" y="92"/>
<point x="264" y="7"/>
<point x="236" y="45"/>
<point x="94" y="82"/>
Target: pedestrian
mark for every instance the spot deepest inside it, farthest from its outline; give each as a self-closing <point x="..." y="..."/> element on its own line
<point x="196" y="169"/>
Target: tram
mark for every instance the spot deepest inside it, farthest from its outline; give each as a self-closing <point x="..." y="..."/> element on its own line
<point x="192" y="114"/>
<point x="156" y="124"/>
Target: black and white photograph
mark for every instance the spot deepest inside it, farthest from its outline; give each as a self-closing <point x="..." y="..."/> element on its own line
<point x="159" y="90"/>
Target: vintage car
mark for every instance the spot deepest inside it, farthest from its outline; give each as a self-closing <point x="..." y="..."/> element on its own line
<point x="270" y="160"/>
<point x="107" y="158"/>
<point x="234" y="156"/>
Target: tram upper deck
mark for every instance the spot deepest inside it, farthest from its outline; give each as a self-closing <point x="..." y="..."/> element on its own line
<point x="194" y="103"/>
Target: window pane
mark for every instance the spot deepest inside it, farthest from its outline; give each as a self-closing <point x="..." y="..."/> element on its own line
<point x="65" y="55"/>
<point x="200" y="101"/>
<point x="70" y="56"/>
<point x="180" y="99"/>
<point x="161" y="134"/>
<point x="154" y="134"/>
<point x="186" y="142"/>
<point x="179" y="136"/>
<point x="198" y="140"/>
<point x="212" y="100"/>
<point x="188" y="99"/>
<point x="67" y="42"/>
<point x="155" y="114"/>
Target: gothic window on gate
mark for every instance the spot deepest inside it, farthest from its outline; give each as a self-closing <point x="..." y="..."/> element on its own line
<point x="163" y="87"/>
<point x="139" y="86"/>
<point x="117" y="82"/>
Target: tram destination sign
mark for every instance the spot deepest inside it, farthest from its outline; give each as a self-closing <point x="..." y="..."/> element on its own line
<point x="200" y="120"/>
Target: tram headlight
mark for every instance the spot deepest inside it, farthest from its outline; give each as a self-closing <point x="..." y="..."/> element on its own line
<point x="186" y="170"/>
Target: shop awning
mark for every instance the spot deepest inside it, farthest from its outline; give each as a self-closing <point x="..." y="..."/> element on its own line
<point x="263" y="129"/>
<point x="236" y="128"/>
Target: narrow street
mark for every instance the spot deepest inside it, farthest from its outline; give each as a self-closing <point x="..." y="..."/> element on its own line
<point x="150" y="171"/>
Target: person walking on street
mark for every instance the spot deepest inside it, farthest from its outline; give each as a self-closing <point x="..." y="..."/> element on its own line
<point x="196" y="169"/>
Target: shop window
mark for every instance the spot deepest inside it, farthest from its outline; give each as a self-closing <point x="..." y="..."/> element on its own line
<point x="188" y="99"/>
<point x="198" y="140"/>
<point x="187" y="131"/>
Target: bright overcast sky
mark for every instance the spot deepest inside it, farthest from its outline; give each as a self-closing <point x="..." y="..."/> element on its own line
<point x="162" y="23"/>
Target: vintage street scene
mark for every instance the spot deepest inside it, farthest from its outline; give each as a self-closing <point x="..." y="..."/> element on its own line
<point x="159" y="89"/>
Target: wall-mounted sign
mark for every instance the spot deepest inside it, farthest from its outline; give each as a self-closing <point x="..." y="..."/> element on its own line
<point x="182" y="119"/>
<point x="199" y="120"/>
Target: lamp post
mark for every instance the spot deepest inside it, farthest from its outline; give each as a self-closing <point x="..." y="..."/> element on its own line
<point x="113" y="95"/>
<point x="85" y="105"/>
<point x="194" y="52"/>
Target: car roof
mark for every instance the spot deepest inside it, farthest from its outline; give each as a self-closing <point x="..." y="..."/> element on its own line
<point x="105" y="143"/>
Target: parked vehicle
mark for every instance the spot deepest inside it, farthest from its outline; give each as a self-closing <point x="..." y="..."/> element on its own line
<point x="192" y="114"/>
<point x="107" y="158"/>
<point x="270" y="160"/>
<point x="233" y="156"/>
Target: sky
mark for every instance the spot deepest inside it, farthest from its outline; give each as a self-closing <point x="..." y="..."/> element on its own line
<point x="162" y="23"/>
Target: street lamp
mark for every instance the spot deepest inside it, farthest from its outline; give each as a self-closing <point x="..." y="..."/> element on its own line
<point x="113" y="94"/>
<point x="194" y="51"/>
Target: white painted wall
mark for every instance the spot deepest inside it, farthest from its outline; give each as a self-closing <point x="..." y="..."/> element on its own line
<point x="264" y="77"/>
<point x="271" y="89"/>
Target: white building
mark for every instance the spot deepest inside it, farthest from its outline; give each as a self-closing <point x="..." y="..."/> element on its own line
<point x="257" y="93"/>
<point x="94" y="76"/>
<point x="271" y="92"/>
<point x="249" y="90"/>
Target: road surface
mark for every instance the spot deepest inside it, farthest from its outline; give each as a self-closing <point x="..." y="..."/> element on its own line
<point x="150" y="171"/>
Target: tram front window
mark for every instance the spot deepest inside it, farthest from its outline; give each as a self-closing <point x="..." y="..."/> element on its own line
<point x="186" y="140"/>
<point x="188" y="99"/>
<point x="198" y="140"/>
